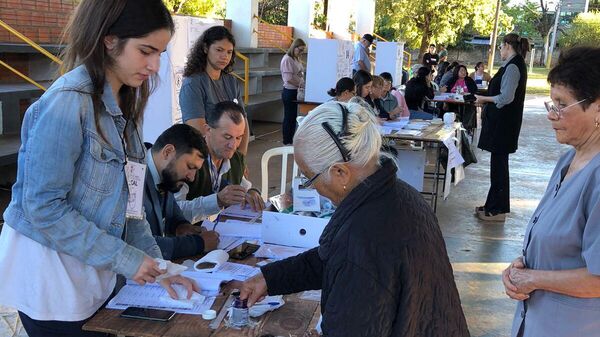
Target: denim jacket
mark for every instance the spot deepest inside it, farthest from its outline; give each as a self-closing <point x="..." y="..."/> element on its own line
<point x="71" y="192"/>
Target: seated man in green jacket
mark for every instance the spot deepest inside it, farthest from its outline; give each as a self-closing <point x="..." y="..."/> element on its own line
<point x="220" y="182"/>
<point x="173" y="160"/>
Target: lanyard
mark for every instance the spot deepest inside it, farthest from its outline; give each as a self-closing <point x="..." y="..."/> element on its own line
<point x="214" y="174"/>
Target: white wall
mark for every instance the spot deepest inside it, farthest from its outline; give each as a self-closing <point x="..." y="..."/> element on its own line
<point x="390" y="58"/>
<point x="338" y="17"/>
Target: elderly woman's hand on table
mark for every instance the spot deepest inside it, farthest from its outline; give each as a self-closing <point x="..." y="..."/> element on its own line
<point x="514" y="288"/>
<point x="254" y="289"/>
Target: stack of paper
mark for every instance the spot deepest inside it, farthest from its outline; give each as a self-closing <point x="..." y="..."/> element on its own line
<point x="270" y="251"/>
<point x="155" y="297"/>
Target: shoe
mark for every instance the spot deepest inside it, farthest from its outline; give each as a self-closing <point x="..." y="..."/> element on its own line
<point x="487" y="216"/>
<point x="479" y="209"/>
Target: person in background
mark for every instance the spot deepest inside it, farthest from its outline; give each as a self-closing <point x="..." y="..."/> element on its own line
<point x="207" y="78"/>
<point x="417" y="93"/>
<point x="460" y="80"/>
<point x="431" y="59"/>
<point x="381" y="262"/>
<point x="374" y="98"/>
<point x="443" y="53"/>
<point x="344" y="90"/>
<point x="441" y="71"/>
<point x="361" y="61"/>
<point x="363" y="81"/>
<point x="556" y="280"/>
<point x="501" y="123"/>
<point x="292" y="73"/>
<point x="463" y="84"/>
<point x="392" y="101"/>
<point x="448" y="74"/>
<point x="173" y="160"/>
<point x="69" y="230"/>
<point x="220" y="182"/>
<point x="480" y="74"/>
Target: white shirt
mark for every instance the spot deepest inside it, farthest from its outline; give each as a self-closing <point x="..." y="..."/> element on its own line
<point x="47" y="285"/>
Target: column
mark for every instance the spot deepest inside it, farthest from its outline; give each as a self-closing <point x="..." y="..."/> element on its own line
<point x="243" y="24"/>
<point x="365" y="16"/>
<point x="300" y="17"/>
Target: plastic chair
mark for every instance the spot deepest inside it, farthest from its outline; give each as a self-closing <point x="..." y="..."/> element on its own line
<point x="282" y="151"/>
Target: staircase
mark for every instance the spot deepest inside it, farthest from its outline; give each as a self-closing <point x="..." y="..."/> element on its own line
<point x="265" y="83"/>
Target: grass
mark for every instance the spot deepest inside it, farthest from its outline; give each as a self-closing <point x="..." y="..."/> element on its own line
<point x="536" y="82"/>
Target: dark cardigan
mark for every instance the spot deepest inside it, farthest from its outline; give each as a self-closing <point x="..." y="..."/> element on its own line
<point x="382" y="266"/>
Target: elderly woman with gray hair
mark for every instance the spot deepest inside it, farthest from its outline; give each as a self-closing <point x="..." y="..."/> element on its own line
<point x="381" y="261"/>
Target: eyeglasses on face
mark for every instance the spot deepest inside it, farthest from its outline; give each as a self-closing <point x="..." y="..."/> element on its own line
<point x="557" y="112"/>
<point x="308" y="184"/>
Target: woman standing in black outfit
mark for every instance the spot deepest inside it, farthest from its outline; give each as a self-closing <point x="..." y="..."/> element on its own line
<point x="501" y="123"/>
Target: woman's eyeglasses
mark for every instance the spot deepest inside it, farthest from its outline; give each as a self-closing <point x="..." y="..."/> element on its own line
<point x="557" y="112"/>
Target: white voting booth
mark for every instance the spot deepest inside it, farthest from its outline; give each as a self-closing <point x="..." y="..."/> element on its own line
<point x="328" y="61"/>
<point x="389" y="59"/>
<point x="162" y="109"/>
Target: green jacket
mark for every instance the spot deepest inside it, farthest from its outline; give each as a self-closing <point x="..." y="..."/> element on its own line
<point x="202" y="185"/>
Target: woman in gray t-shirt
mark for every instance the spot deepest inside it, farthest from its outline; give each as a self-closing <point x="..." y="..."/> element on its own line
<point x="557" y="278"/>
<point x="208" y="80"/>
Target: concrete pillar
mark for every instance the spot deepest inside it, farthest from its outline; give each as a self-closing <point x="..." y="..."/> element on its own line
<point x="244" y="26"/>
<point x="365" y="17"/>
<point x="339" y="15"/>
<point x="300" y="17"/>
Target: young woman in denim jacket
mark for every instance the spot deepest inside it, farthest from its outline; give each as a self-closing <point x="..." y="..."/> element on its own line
<point x="67" y="235"/>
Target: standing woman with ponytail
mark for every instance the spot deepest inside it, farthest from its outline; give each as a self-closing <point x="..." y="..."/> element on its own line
<point x="381" y="262"/>
<point x="69" y="230"/>
<point x="501" y="123"/>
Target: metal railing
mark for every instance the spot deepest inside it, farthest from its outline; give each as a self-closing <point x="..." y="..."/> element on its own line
<point x="34" y="46"/>
<point x="246" y="78"/>
<point x="288" y="37"/>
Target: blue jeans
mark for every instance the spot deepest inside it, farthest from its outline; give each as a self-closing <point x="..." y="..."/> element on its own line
<point x="415" y="114"/>
<point x="290" y="112"/>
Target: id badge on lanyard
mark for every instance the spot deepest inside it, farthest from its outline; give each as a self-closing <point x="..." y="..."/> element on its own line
<point x="135" y="173"/>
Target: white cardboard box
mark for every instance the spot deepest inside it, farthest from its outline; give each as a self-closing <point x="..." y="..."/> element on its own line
<point x="292" y="230"/>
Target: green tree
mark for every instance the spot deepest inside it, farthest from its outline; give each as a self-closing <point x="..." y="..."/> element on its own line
<point x="273" y="11"/>
<point x="204" y="8"/>
<point x="421" y="22"/>
<point x="584" y="31"/>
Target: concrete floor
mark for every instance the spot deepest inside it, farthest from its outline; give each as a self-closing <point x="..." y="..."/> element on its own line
<point x="478" y="251"/>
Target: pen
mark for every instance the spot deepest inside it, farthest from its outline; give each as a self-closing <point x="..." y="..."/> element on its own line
<point x="269" y="303"/>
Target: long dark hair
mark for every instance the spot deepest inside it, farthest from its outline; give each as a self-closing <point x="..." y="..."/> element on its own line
<point x="343" y="84"/>
<point x="361" y="78"/>
<point x="457" y="70"/>
<point x="198" y="56"/>
<point x="519" y="44"/>
<point x="84" y="37"/>
<point x="422" y="74"/>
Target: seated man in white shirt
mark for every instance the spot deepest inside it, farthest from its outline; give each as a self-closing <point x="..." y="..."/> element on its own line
<point x="220" y="182"/>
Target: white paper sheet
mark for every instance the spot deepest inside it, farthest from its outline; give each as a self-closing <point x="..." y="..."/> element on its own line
<point x="229" y="242"/>
<point x="238" y="228"/>
<point x="408" y="132"/>
<point x="236" y="271"/>
<point x="150" y="296"/>
<point x="454" y="156"/>
<point x="239" y="212"/>
<point x="270" y="251"/>
<point x="396" y="124"/>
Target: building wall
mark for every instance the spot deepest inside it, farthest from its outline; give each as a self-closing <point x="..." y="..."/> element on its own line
<point x="270" y="36"/>
<point x="40" y="20"/>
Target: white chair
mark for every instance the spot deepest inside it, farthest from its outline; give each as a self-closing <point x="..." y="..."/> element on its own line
<point x="282" y="151"/>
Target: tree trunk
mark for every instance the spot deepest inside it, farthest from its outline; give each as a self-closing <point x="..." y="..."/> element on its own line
<point x="424" y="44"/>
<point x="545" y="50"/>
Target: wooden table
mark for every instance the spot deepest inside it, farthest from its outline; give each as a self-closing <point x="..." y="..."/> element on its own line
<point x="433" y="134"/>
<point x="305" y="107"/>
<point x="297" y="317"/>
